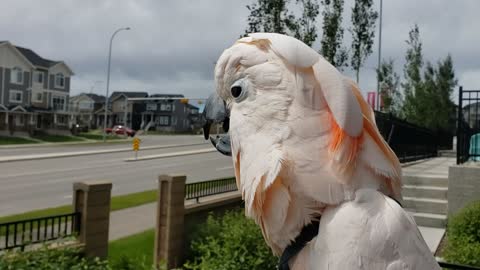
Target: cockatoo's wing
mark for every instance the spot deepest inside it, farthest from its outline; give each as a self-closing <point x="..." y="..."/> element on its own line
<point x="372" y="232"/>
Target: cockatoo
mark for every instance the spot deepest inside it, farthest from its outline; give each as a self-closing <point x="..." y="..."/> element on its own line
<point x="305" y="147"/>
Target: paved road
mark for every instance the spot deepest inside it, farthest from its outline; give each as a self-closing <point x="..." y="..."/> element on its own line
<point x="34" y="184"/>
<point x="147" y="140"/>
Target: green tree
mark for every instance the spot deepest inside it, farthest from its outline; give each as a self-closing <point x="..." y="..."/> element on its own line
<point x="389" y="92"/>
<point x="363" y="32"/>
<point x="412" y="75"/>
<point x="304" y="28"/>
<point x="273" y="16"/>
<point x="331" y="44"/>
<point x="434" y="101"/>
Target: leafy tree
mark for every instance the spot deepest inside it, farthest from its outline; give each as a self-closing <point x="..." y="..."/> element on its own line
<point x="389" y="92"/>
<point x="273" y="16"/>
<point x="412" y="74"/>
<point x="331" y="44"/>
<point x="304" y="27"/>
<point x="363" y="32"/>
<point x="434" y="101"/>
<point x="267" y="16"/>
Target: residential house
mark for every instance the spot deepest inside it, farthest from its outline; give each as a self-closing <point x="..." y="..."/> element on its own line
<point x="170" y="115"/>
<point x="125" y="112"/>
<point x="83" y="108"/>
<point x="33" y="91"/>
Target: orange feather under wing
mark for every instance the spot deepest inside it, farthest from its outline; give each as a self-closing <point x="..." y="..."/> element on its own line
<point x="344" y="149"/>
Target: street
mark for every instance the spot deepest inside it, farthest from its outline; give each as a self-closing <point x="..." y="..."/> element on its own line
<point x="35" y="184"/>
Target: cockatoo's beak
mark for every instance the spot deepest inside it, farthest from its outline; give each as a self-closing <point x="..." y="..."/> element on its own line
<point x="216" y="112"/>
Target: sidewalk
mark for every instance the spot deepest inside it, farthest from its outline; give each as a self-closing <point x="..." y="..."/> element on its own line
<point x="141" y="218"/>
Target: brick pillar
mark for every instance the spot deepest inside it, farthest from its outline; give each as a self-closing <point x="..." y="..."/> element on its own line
<point x="170" y="218"/>
<point x="92" y="200"/>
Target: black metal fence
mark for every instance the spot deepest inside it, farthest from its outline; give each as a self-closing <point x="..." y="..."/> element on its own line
<point x="18" y="234"/>
<point x="208" y="188"/>
<point x="410" y="142"/>
<point x="468" y="125"/>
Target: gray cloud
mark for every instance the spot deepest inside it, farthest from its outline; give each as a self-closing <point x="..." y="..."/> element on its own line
<point x="173" y="45"/>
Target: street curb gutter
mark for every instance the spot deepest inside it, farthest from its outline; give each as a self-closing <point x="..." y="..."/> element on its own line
<point x="176" y="154"/>
<point x="86" y="153"/>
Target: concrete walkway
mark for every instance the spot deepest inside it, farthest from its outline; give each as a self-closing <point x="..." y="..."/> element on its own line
<point x="434" y="167"/>
<point x="141" y="218"/>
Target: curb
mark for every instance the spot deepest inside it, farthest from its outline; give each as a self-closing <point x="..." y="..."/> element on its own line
<point x="177" y="154"/>
<point x="86" y="153"/>
<point x="50" y="144"/>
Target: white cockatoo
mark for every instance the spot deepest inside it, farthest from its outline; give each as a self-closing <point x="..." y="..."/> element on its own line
<point x="305" y="146"/>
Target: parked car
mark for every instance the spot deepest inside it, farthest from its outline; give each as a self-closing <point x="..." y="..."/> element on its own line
<point x="121" y="130"/>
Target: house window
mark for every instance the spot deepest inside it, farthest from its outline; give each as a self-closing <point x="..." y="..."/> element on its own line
<point x="85" y="105"/>
<point x="16" y="96"/>
<point x="61" y="119"/>
<point x="163" y="120"/>
<point x="165" y="107"/>
<point x="19" y="120"/>
<point x="38" y="78"/>
<point x="59" y="80"/>
<point x="17" y="75"/>
<point x="58" y="103"/>
<point x="37" y="97"/>
<point x="151" y="107"/>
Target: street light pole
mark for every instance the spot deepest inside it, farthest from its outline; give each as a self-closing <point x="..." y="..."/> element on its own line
<point x="379" y="55"/>
<point x="108" y="82"/>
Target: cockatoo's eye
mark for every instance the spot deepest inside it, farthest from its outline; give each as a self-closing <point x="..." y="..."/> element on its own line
<point x="236" y="91"/>
<point x="239" y="89"/>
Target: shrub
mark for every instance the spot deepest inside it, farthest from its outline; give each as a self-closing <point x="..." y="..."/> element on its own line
<point x="463" y="236"/>
<point x="49" y="259"/>
<point x="230" y="242"/>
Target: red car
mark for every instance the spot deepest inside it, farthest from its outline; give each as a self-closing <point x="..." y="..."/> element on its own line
<point x="121" y="130"/>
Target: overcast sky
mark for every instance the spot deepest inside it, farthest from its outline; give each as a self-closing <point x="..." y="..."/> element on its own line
<point x="173" y="44"/>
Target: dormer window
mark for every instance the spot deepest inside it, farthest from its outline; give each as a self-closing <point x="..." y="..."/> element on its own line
<point x="59" y="80"/>
<point x="17" y="75"/>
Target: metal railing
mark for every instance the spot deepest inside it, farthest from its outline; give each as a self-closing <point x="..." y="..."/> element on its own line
<point x="446" y="265"/>
<point x="409" y="141"/>
<point x="18" y="234"/>
<point x="208" y="188"/>
<point x="468" y="125"/>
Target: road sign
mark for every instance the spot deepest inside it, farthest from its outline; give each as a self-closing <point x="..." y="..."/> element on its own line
<point x="136" y="144"/>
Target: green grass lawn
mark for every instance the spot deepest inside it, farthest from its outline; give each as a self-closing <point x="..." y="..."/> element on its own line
<point x="137" y="247"/>
<point x="4" y="140"/>
<point x="58" y="138"/>
<point x="98" y="137"/>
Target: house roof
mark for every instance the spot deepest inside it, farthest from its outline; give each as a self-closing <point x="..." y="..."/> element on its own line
<point x="118" y="94"/>
<point x="36" y="59"/>
<point x="128" y="94"/>
<point x="96" y="98"/>
<point x="168" y="95"/>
